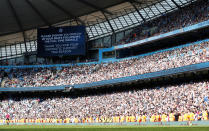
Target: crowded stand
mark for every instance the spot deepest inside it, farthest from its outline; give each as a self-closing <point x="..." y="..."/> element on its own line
<point x="184" y="102"/>
<point x="177" y="57"/>
<point x="182" y="97"/>
<point x="187" y="16"/>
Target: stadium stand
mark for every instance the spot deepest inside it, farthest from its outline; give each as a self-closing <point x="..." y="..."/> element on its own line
<point x="177" y="57"/>
<point x="139" y="102"/>
<point x="188" y="101"/>
<point x="187" y="16"/>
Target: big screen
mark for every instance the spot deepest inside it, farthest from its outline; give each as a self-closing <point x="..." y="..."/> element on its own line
<point x="61" y="41"/>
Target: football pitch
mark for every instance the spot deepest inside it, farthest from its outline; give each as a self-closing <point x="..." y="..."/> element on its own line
<point x="102" y="128"/>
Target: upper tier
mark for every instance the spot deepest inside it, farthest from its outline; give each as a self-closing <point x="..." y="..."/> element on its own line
<point x="187" y="16"/>
<point x="193" y="53"/>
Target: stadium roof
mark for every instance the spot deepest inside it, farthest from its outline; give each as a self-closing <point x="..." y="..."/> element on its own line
<point x="18" y="15"/>
<point x="100" y="16"/>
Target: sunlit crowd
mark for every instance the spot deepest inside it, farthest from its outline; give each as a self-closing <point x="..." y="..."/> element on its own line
<point x="183" y="102"/>
<point x="187" y="102"/>
<point x="189" y="15"/>
<point x="178" y="57"/>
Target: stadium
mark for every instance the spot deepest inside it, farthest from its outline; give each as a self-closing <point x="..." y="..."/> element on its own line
<point x="104" y="65"/>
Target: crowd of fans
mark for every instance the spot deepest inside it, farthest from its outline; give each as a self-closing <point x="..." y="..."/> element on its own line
<point x="71" y="75"/>
<point x="185" y="16"/>
<point x="189" y="15"/>
<point x="189" y="101"/>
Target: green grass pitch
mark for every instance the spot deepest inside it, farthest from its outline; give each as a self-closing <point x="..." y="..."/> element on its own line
<point x="103" y="128"/>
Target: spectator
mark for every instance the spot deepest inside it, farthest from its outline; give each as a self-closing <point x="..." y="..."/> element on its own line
<point x="188" y="15"/>
<point x="71" y="75"/>
<point x="159" y="104"/>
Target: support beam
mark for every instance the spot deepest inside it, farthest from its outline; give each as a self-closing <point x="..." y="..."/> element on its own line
<point x="135" y="1"/>
<point x="38" y="13"/>
<point x="76" y="22"/>
<point x="151" y="10"/>
<point x="137" y="10"/>
<point x="114" y="34"/>
<point x="108" y="22"/>
<point x="158" y="9"/>
<point x="95" y="7"/>
<point x="18" y="21"/>
<point x="66" y="12"/>
<point x="100" y="26"/>
<point x="176" y="4"/>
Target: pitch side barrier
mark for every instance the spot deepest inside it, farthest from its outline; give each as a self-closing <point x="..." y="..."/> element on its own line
<point x="175" y="123"/>
<point x="163" y="73"/>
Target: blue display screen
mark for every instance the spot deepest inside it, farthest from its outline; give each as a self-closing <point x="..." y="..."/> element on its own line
<point x="61" y="41"/>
